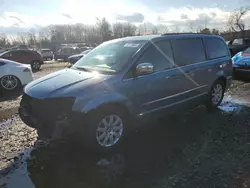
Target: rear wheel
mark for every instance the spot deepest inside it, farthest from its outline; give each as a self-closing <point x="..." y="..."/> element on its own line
<point x="216" y="94"/>
<point x="35" y="65"/>
<point x="9" y="82"/>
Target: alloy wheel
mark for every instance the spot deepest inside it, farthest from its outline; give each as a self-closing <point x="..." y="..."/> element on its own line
<point x="9" y="82"/>
<point x="109" y="130"/>
<point x="217" y="93"/>
<point x="36" y="65"/>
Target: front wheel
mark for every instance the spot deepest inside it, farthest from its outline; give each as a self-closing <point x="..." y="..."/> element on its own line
<point x="106" y="129"/>
<point x="216" y="94"/>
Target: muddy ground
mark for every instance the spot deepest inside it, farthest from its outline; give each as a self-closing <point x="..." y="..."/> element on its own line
<point x="192" y="149"/>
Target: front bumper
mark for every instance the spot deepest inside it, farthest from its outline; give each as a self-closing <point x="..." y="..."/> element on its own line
<point x="52" y="119"/>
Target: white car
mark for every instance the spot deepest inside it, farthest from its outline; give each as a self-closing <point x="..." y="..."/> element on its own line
<point x="14" y="75"/>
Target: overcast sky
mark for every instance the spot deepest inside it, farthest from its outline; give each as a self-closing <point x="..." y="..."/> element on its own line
<point x="20" y="15"/>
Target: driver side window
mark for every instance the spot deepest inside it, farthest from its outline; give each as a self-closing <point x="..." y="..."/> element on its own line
<point x="160" y="55"/>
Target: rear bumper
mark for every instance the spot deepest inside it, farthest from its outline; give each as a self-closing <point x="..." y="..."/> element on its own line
<point x="239" y="71"/>
<point x="26" y="78"/>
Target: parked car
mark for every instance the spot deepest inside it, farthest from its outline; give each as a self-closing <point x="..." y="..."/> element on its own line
<point x="74" y="58"/>
<point x="238" y="45"/>
<point x="47" y="54"/>
<point x="14" y="75"/>
<point x="86" y="48"/>
<point x="31" y="57"/>
<point x="127" y="79"/>
<point x="65" y="52"/>
<point x="241" y="63"/>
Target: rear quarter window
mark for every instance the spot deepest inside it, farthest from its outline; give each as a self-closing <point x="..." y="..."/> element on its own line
<point x="188" y="51"/>
<point x="216" y="48"/>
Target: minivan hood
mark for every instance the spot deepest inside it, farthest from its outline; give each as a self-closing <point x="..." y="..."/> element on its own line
<point x="62" y="83"/>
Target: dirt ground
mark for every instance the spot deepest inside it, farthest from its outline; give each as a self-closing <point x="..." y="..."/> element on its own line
<point x="192" y="149"/>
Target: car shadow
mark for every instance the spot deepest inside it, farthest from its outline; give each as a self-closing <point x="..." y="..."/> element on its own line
<point x="10" y="95"/>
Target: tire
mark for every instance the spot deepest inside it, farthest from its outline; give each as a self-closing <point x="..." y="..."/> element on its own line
<point x="10" y="86"/>
<point x="36" y="65"/>
<point x="95" y="140"/>
<point x="216" y="95"/>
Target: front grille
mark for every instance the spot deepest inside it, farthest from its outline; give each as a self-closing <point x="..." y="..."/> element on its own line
<point x="47" y="110"/>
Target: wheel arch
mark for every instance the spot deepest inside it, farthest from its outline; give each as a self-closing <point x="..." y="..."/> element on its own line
<point x="223" y="79"/>
<point x="114" y="100"/>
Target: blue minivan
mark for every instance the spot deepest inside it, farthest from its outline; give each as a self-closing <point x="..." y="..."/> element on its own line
<point x="104" y="94"/>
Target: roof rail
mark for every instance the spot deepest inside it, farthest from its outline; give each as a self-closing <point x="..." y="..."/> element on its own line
<point x="186" y="33"/>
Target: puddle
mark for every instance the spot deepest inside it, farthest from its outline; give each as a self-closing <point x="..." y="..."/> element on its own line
<point x="17" y="175"/>
<point x="233" y="104"/>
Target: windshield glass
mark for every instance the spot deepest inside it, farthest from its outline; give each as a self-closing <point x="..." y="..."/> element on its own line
<point x="110" y="56"/>
<point x="247" y="50"/>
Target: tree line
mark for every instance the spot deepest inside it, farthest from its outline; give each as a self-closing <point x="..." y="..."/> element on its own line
<point x="103" y="31"/>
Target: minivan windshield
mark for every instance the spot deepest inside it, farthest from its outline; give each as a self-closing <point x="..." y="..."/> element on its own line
<point x="110" y="56"/>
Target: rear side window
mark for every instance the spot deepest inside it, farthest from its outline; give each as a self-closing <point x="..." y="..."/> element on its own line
<point x="17" y="53"/>
<point x="238" y="42"/>
<point x="159" y="54"/>
<point x="216" y="48"/>
<point x="25" y="53"/>
<point x="188" y="51"/>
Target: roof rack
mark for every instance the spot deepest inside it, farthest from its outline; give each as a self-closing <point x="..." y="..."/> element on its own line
<point x="186" y="33"/>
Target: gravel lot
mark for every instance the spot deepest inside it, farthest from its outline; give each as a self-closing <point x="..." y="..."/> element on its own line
<point x="201" y="149"/>
<point x="14" y="135"/>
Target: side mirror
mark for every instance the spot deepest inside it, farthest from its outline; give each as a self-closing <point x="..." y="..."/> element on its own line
<point x="144" y="68"/>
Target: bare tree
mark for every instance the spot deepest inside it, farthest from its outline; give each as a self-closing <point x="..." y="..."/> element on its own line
<point x="4" y="42"/>
<point x="193" y="27"/>
<point x="104" y="28"/>
<point x="31" y="38"/>
<point x="177" y="29"/>
<point x="118" y="30"/>
<point x="155" y="30"/>
<point x="236" y="22"/>
<point x="128" y="29"/>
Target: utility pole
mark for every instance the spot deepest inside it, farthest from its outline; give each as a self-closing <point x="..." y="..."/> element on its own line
<point x="206" y="21"/>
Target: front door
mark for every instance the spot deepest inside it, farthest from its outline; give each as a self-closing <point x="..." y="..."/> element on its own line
<point x="156" y="91"/>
